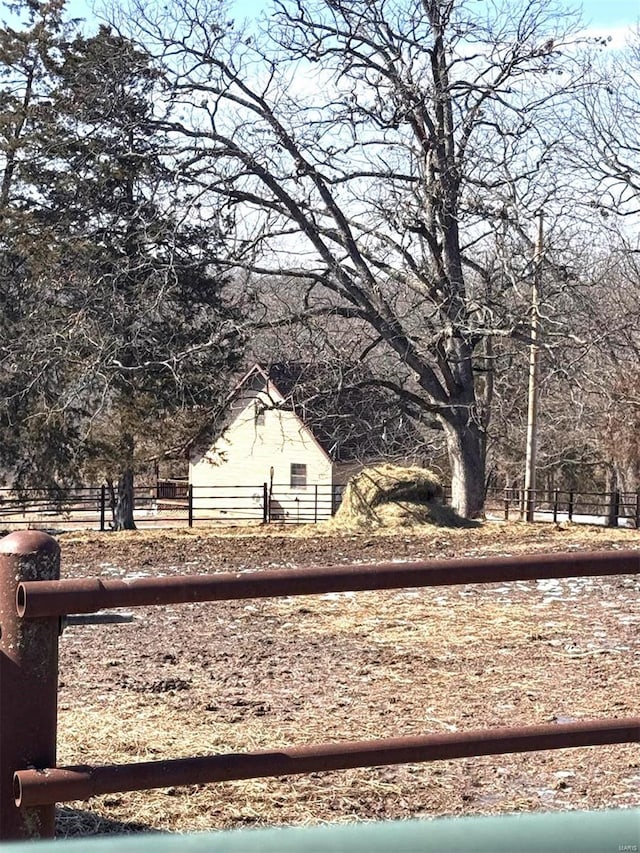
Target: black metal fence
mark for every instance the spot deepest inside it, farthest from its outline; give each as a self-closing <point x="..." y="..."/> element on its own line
<point x="171" y="503"/>
<point x="176" y="503"/>
<point x="607" y="508"/>
<point x="26" y="505"/>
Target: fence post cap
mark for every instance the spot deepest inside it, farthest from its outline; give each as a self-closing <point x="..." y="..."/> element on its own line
<point x="28" y="542"/>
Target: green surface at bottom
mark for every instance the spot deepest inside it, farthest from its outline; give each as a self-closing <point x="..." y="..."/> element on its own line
<point x="555" y="832"/>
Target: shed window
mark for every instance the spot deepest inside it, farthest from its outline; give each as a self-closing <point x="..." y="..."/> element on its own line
<point x="259" y="414"/>
<point x="298" y="475"/>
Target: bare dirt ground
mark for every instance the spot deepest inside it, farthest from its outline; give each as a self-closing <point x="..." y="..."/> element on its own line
<point x="237" y="676"/>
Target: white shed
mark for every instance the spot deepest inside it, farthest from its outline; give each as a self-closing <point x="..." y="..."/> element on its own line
<point x="261" y="442"/>
<point x="262" y="458"/>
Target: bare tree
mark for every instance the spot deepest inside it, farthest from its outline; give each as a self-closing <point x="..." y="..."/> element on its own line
<point x="609" y="378"/>
<point x="603" y="146"/>
<point x="385" y="156"/>
<point x="603" y="131"/>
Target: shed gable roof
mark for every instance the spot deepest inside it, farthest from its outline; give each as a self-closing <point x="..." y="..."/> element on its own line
<point x="350" y="419"/>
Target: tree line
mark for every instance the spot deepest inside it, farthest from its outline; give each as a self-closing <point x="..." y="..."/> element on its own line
<point x="345" y="184"/>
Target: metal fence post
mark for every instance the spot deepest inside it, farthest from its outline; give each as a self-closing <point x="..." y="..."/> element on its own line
<point x="638" y="509"/>
<point x="556" y="498"/>
<point x="614" y="509"/>
<point x="265" y="503"/>
<point x="103" y="504"/>
<point x="190" y="505"/>
<point x="506" y="504"/>
<point x="570" y="506"/>
<point x="28" y="681"/>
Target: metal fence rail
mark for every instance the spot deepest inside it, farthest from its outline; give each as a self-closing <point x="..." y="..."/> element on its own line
<point x="32" y="599"/>
<point x="42" y="787"/>
<point x="610" y="508"/>
<point x="172" y="503"/>
<point x="176" y="503"/>
<point x="88" y="595"/>
<point x="82" y="505"/>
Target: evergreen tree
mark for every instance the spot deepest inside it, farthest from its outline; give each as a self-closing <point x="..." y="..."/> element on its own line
<point x="29" y="52"/>
<point x="138" y="334"/>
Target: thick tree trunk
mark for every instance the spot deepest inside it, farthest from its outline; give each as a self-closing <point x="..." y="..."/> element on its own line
<point x="627" y="475"/>
<point x="466" y="452"/>
<point x="122" y="499"/>
<point x="122" y="502"/>
<point x="613" y="509"/>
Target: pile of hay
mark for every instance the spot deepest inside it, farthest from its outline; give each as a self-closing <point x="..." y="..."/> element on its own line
<point x="391" y="496"/>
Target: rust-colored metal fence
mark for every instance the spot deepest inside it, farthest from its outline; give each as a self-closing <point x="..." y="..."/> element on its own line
<point x="33" y="599"/>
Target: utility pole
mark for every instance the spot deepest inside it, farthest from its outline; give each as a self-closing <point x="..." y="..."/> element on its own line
<point x="534" y="370"/>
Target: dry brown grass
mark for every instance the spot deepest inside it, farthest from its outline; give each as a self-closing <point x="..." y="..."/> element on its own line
<point x="238" y="676"/>
<point x="498" y="536"/>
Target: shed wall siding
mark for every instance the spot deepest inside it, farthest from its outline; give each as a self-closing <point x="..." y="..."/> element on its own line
<point x="228" y="478"/>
